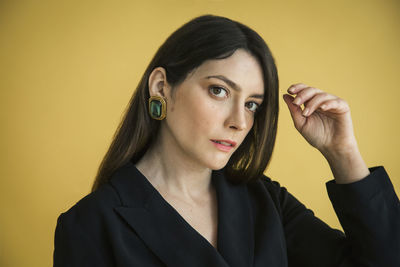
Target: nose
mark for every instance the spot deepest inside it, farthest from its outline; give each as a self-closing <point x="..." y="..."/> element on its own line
<point x="237" y="118"/>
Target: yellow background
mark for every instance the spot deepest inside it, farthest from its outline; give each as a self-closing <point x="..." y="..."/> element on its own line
<point x="68" y="69"/>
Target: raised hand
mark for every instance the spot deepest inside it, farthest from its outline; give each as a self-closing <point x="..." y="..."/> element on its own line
<point x="325" y="121"/>
<point x="326" y="124"/>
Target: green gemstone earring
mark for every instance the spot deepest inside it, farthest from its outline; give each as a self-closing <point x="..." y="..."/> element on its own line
<point x="157" y="107"/>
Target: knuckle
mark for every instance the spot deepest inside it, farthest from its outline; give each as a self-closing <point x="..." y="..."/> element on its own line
<point x="324" y="94"/>
<point x="298" y="99"/>
<point x="312" y="90"/>
<point x="298" y="84"/>
<point x="294" y="85"/>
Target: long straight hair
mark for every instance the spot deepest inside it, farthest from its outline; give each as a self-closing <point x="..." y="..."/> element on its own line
<point x="202" y="38"/>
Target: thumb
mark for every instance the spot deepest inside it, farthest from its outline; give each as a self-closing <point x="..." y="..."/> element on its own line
<point x="295" y="111"/>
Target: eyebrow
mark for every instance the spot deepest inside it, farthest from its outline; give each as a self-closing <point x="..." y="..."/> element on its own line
<point x="233" y="85"/>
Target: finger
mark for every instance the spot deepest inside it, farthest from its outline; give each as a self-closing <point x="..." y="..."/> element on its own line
<point x="337" y="105"/>
<point x="311" y="105"/>
<point x="305" y="95"/>
<point x="294" y="88"/>
<point x="295" y="111"/>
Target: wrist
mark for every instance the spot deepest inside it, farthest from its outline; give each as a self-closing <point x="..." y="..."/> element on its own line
<point x="341" y="152"/>
<point x="347" y="165"/>
<point x="346" y="147"/>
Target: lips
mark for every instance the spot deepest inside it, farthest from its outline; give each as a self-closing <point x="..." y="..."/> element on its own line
<point x="225" y="142"/>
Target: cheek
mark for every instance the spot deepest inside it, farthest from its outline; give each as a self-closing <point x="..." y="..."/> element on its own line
<point x="202" y="115"/>
<point x="195" y="117"/>
<point x="208" y="114"/>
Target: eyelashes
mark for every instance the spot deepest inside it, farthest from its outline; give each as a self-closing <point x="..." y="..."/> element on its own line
<point x="220" y="89"/>
<point x="255" y="106"/>
<point x="221" y="92"/>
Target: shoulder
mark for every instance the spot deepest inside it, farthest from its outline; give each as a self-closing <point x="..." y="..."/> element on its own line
<point x="264" y="185"/>
<point x="95" y="205"/>
<point x="264" y="190"/>
<point x="82" y="232"/>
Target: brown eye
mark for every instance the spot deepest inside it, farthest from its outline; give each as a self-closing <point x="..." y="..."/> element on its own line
<point x="218" y="91"/>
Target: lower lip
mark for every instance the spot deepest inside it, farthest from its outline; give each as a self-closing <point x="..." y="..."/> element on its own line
<point x="222" y="147"/>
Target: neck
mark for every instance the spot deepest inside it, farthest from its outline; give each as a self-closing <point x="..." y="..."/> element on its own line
<point x="171" y="170"/>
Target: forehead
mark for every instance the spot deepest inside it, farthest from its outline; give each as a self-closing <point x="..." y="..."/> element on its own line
<point x="241" y="68"/>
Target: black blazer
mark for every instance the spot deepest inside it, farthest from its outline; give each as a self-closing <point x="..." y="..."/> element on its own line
<point x="128" y="223"/>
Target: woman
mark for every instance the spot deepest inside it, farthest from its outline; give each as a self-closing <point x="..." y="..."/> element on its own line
<point x="183" y="185"/>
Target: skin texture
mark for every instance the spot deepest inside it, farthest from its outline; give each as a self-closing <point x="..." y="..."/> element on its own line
<point x="180" y="162"/>
<point x="326" y="124"/>
<point x="197" y="113"/>
<point x="179" y="165"/>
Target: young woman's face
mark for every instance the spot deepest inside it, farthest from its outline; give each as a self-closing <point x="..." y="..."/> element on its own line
<point x="206" y="108"/>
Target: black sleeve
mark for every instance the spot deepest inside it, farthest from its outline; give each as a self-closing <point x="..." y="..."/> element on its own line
<point x="72" y="245"/>
<point x="369" y="212"/>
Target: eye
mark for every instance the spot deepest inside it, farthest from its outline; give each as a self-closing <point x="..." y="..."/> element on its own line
<point x="253" y="106"/>
<point x="218" y="91"/>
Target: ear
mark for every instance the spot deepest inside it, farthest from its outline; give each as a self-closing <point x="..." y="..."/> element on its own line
<point x="158" y="84"/>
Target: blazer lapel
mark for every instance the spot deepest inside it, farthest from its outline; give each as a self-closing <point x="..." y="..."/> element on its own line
<point x="235" y="222"/>
<point x="171" y="238"/>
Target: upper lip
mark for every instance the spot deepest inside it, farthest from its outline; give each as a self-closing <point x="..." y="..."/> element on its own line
<point x="233" y="143"/>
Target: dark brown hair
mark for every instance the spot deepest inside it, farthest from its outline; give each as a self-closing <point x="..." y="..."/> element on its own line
<point x="202" y="38"/>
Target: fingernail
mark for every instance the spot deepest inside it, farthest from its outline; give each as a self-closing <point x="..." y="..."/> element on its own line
<point x="306" y="111"/>
<point x="296" y="101"/>
<point x="291" y="90"/>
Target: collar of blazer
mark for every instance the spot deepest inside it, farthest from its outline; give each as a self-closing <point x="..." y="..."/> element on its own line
<point x="169" y="235"/>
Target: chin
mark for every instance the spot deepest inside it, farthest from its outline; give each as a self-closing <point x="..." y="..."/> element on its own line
<point x="217" y="164"/>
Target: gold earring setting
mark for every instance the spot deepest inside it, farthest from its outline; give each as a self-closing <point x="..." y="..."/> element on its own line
<point x="157" y="107"/>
